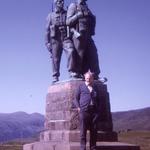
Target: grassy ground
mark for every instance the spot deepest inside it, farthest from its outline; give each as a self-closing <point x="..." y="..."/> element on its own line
<point x="11" y="146"/>
<point x="141" y="138"/>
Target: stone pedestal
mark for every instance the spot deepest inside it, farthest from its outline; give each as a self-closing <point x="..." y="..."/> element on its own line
<point x="60" y="111"/>
<point x="62" y="121"/>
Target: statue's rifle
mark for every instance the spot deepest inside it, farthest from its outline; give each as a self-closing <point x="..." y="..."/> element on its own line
<point x="50" y="49"/>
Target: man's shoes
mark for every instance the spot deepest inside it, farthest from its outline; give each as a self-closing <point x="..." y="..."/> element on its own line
<point x="93" y="148"/>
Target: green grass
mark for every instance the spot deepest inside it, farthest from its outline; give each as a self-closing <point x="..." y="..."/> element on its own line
<point x="11" y="147"/>
<point x="141" y="138"/>
<point x="17" y="144"/>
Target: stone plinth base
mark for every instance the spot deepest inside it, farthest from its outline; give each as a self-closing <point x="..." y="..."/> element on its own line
<point x="62" y="121"/>
<point x="76" y="146"/>
<point x="74" y="136"/>
<point x="60" y="111"/>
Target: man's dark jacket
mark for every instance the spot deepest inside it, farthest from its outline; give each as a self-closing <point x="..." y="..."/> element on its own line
<point x="84" y="97"/>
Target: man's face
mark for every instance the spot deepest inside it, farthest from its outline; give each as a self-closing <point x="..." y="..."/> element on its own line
<point x="59" y="3"/>
<point x="88" y="79"/>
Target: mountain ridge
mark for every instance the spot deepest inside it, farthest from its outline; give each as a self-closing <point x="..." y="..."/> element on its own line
<point x="24" y="125"/>
<point x="20" y="125"/>
<point x="138" y="119"/>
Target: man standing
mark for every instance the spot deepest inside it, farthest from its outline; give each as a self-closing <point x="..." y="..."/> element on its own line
<point x="87" y="102"/>
<point x="82" y="22"/>
<point x="56" y="39"/>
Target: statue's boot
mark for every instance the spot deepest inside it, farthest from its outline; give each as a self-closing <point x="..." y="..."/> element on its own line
<point x="55" y="79"/>
<point x="75" y="75"/>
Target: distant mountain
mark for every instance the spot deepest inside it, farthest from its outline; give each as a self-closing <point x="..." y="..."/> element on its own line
<point x="132" y="120"/>
<point x="20" y="125"/>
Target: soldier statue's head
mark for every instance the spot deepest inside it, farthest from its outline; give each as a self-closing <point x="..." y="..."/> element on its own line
<point x="59" y="4"/>
<point x="81" y="1"/>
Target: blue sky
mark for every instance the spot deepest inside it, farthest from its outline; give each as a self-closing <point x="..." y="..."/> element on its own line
<point x="123" y="42"/>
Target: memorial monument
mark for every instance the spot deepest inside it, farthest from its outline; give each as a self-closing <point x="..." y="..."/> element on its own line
<point x="72" y="31"/>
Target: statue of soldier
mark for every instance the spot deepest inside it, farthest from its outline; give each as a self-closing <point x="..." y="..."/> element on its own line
<point x="56" y="39"/>
<point x="82" y="22"/>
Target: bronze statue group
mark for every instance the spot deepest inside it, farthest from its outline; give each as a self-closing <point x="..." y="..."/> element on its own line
<point x="71" y="30"/>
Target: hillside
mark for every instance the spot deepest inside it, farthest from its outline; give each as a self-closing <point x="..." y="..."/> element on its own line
<point x="135" y="119"/>
<point x="20" y="125"/>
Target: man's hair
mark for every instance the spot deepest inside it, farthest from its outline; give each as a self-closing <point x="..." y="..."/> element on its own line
<point x="89" y="73"/>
